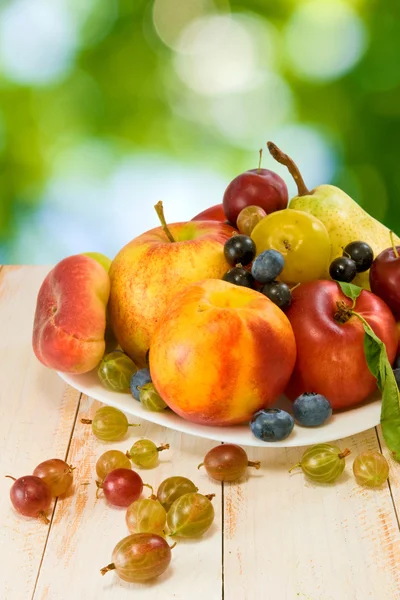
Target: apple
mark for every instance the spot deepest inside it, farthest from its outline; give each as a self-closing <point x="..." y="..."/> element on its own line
<point x="259" y="187"/>
<point x="70" y="318"/>
<point x="152" y="268"/>
<point x="220" y="353"/>
<point x="384" y="277"/>
<point x="214" y="213"/>
<point x="330" y="343"/>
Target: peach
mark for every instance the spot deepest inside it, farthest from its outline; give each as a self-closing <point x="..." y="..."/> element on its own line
<point x="70" y="317"/>
<point x="221" y="353"/>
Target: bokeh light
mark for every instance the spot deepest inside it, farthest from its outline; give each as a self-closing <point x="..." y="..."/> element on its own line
<point x="324" y="40"/>
<point x="37" y="41"/>
<point x="170" y="17"/>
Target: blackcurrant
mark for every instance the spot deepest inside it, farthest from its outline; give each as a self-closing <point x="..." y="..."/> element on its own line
<point x="279" y="293"/>
<point x="343" y="269"/>
<point x="239" y="276"/>
<point x="361" y="253"/>
<point x="239" y="249"/>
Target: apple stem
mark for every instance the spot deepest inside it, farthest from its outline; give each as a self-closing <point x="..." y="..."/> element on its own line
<point x="345" y="453"/>
<point x="260" y="159"/>
<point x="293" y="169"/>
<point x="256" y="464"/>
<point x="393" y="245"/>
<point x="160" y="213"/>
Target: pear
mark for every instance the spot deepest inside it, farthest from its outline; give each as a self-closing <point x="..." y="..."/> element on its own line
<point x="344" y="219"/>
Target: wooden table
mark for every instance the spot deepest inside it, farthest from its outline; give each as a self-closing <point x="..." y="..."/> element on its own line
<point x="276" y="536"/>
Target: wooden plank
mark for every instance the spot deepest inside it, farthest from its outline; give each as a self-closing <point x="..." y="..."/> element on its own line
<point x="37" y="411"/>
<point x="288" y="538"/>
<point x="85" y="530"/>
<point x="394" y="473"/>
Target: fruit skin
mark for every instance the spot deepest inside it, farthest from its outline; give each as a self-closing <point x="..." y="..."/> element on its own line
<point x="272" y="425"/>
<point x="279" y="293"/>
<point x="70" y="317"/>
<point x="30" y="496"/>
<point x="239" y="249"/>
<point x="221" y="353"/>
<point x="141" y="557"/>
<point x="371" y="469"/>
<point x="102" y="259"/>
<point x="214" y="213"/>
<point x="259" y="187"/>
<point x="149" y="270"/>
<point x="330" y="355"/>
<point x="303" y="241"/>
<point x="384" y="278"/>
<point x="345" y="221"/>
<point x="312" y="410"/>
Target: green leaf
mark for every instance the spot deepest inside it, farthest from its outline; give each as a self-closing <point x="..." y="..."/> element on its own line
<point x="379" y="365"/>
<point x="350" y="290"/>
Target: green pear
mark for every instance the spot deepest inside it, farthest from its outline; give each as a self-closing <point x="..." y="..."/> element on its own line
<point x="344" y="219"/>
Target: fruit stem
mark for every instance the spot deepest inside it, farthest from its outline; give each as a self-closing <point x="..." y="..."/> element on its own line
<point x="256" y="464"/>
<point x="200" y="465"/>
<point x="294" y="287"/>
<point x="160" y="213"/>
<point x="86" y="421"/>
<point x="345" y="453"/>
<point x="163" y="447"/>
<point x="260" y="159"/>
<point x="10" y="477"/>
<point x="109" y="567"/>
<point x="295" y="467"/>
<point x="344" y="312"/>
<point x="42" y="517"/>
<point x="99" y="487"/>
<point x="393" y="245"/>
<point x="173" y="546"/>
<point x="149" y="486"/>
<point x="209" y="496"/>
<point x="291" y="166"/>
<point x="133" y="424"/>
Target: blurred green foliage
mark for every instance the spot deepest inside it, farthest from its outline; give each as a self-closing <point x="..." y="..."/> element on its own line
<point x="121" y="88"/>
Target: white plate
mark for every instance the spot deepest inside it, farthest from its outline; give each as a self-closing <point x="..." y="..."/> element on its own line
<point x="339" y="426"/>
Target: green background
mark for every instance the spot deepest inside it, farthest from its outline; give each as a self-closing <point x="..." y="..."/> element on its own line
<point x="108" y="107"/>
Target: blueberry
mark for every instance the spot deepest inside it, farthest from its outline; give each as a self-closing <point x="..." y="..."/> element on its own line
<point x="397" y="375"/>
<point x="267" y="266"/>
<point x="311" y="409"/>
<point x="271" y="424"/>
<point x="139" y="379"/>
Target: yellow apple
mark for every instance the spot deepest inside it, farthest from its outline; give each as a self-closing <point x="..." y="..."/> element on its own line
<point x="147" y="273"/>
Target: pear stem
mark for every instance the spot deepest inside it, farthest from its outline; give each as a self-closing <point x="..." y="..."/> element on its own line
<point x="293" y="169"/>
<point x="160" y="213"/>
<point x="259" y="162"/>
<point x="393" y="245"/>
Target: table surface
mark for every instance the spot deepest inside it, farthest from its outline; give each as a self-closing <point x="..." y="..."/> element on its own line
<point x="275" y="534"/>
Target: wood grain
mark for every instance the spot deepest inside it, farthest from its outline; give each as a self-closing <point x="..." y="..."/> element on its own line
<point x="288" y="538"/>
<point x="85" y="530"/>
<point x="36" y="414"/>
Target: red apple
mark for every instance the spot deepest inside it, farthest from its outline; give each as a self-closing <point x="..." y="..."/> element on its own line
<point x="147" y="273"/>
<point x="214" y="213"/>
<point x="384" y="278"/>
<point x="259" y="187"/>
<point x="330" y="354"/>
